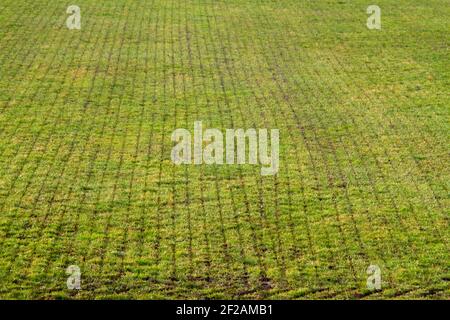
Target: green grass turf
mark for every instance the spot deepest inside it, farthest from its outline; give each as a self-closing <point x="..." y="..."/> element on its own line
<point x="85" y="170"/>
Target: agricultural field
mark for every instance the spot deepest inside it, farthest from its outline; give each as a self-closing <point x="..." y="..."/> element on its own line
<point x="87" y="181"/>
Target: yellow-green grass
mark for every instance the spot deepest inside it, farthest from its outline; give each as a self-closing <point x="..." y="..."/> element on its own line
<point x="86" y="177"/>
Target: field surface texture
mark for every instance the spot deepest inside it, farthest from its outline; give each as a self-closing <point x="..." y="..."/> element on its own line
<point x="86" y="176"/>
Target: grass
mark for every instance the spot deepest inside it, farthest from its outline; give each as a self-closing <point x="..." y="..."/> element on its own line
<point x="86" y="177"/>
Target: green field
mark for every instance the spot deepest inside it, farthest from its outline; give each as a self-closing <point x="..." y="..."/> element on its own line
<point x="86" y="177"/>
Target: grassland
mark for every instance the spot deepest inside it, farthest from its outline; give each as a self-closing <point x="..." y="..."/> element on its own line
<point x="86" y="177"/>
